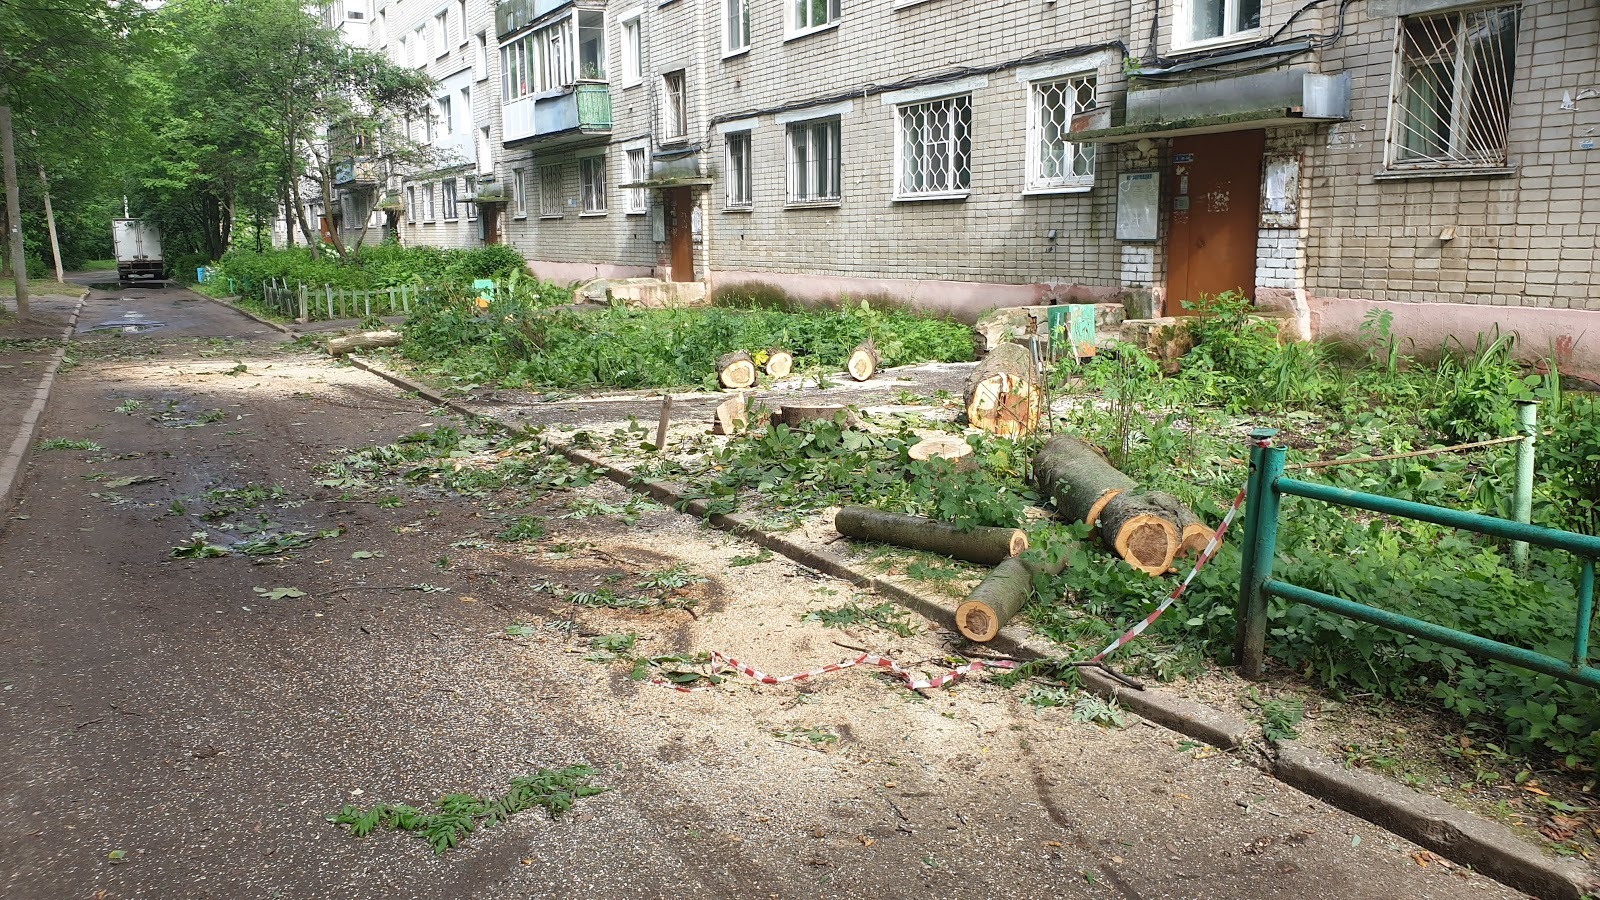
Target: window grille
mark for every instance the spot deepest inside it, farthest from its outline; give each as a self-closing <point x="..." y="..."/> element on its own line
<point x="935" y="147"/>
<point x="592" y="183"/>
<point x="1452" y="99"/>
<point x="674" y="106"/>
<point x="638" y="171"/>
<point x="814" y="168"/>
<point x="551" y="198"/>
<point x="1053" y="160"/>
<point x="740" y="171"/>
<point x="449" y="187"/>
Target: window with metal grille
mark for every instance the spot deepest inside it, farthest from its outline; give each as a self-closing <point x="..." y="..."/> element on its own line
<point x="735" y="25"/>
<point x="1452" y="97"/>
<point x="592" y="183"/>
<point x="551" y="198"/>
<point x="674" y="106"/>
<point x="814" y="161"/>
<point x="741" y="194"/>
<point x="809" y="14"/>
<point x="449" y="187"/>
<point x="1054" y="162"/>
<point x="638" y="172"/>
<point x="933" y="155"/>
<point x="472" y="194"/>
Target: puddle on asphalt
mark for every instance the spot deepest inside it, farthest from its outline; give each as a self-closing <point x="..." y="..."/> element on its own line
<point x="130" y="323"/>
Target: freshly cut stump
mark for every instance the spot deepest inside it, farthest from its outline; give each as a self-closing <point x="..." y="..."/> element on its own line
<point x="985" y="546"/>
<point x="1074" y="474"/>
<point x="863" y="361"/>
<point x="1003" y="394"/>
<point x="732" y="415"/>
<point x="1140" y="531"/>
<point x="736" y="371"/>
<point x="1193" y="534"/>
<point x="801" y="413"/>
<point x="779" y="363"/>
<point x="364" y="341"/>
<point x="1001" y="596"/>
<point x="946" y="447"/>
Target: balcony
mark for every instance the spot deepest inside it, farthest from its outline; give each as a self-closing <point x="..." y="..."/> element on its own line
<point x="510" y="15"/>
<point x="575" y="115"/>
<point x="361" y="172"/>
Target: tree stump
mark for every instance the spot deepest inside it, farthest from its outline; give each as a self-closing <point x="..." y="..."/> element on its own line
<point x="779" y="363"/>
<point x="863" y="361"/>
<point x="794" y="414"/>
<point x="985" y="546"/>
<point x="732" y="415"/>
<point x="735" y="370"/>
<point x="957" y="452"/>
<point x="1003" y="394"/>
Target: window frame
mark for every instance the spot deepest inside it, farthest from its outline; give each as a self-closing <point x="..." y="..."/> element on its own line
<point x="556" y="199"/>
<point x="447" y="200"/>
<point x="1183" y="26"/>
<point x="675" y="107"/>
<point x="636" y="201"/>
<point x="1460" y="113"/>
<point x="738" y="178"/>
<point x="519" y="193"/>
<point x="442" y="21"/>
<point x="631" y="29"/>
<point x="461" y="16"/>
<point x="794" y="28"/>
<point x="1035" y="181"/>
<point x="729" y="8"/>
<point x="807" y="129"/>
<point x="444" y="107"/>
<point x="592" y="185"/>
<point x="470" y="187"/>
<point x="948" y="193"/>
<point x="411" y="204"/>
<point x="480" y="61"/>
<point x="427" y="203"/>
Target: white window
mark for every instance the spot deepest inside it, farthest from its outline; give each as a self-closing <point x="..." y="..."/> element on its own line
<point x="740" y="174"/>
<point x="400" y="52"/>
<point x="808" y="15"/>
<point x="419" y="47"/>
<point x="441" y="31"/>
<point x="427" y="114"/>
<point x="1198" y="21"/>
<point x="466" y="110"/>
<point x="449" y="188"/>
<point x="446" y="121"/>
<point x="383" y="29"/>
<point x="427" y="202"/>
<point x="735" y="26"/>
<point x="1452" y="89"/>
<point x="592" y="183"/>
<point x="591" y="45"/>
<point x="632" y="51"/>
<point x="933" y="152"/>
<point x="461" y="20"/>
<point x="814" y="161"/>
<point x="519" y="192"/>
<point x="674" y="106"/>
<point x="411" y="204"/>
<point x="472" y="195"/>
<point x="551" y="197"/>
<point x="554" y="46"/>
<point x="638" y="172"/>
<point x="480" y="62"/>
<point x="1054" y="162"/>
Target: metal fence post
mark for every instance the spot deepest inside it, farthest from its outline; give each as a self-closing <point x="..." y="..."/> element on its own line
<point x="1260" y="544"/>
<point x="1522" y="505"/>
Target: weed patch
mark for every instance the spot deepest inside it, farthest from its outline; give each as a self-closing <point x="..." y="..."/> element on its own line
<point x="885" y="615"/>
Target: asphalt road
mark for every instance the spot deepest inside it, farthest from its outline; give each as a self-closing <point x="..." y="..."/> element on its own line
<point x="169" y="730"/>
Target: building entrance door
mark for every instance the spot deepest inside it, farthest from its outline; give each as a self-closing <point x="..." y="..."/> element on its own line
<point x="1216" y="208"/>
<point x="680" y="232"/>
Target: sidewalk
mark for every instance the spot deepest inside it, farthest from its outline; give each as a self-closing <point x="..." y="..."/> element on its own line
<point x="30" y="355"/>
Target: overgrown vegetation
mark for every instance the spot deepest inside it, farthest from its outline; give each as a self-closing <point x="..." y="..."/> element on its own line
<point x="520" y="341"/>
<point x="458" y="815"/>
<point x="377" y="266"/>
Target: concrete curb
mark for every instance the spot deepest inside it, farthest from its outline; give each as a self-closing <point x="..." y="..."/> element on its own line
<point x="1426" y="821"/>
<point x="1453" y="833"/>
<point x="16" y="458"/>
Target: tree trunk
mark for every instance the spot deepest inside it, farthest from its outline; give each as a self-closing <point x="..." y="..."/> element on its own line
<point x="1004" y="395"/>
<point x="19" y="260"/>
<point x="735" y="370"/>
<point x="798" y="414"/>
<point x="1138" y="528"/>
<point x="50" y="222"/>
<point x="1001" y="596"/>
<point x="779" y="363"/>
<point x="985" y="546"/>
<point x="363" y="341"/>
<point x="1193" y="534"/>
<point x="1077" y="477"/>
<point x="957" y="452"/>
<point x="863" y="361"/>
<point x="288" y="214"/>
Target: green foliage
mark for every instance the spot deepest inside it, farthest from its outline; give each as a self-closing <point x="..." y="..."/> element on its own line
<point x="67" y="444"/>
<point x="376" y="267"/>
<point x="885" y="615"/>
<point x="458" y="815"/>
<point x="198" y="547"/>
<point x="1279" y="716"/>
<point x="519" y="342"/>
<point x="525" y="528"/>
<point x="1091" y="710"/>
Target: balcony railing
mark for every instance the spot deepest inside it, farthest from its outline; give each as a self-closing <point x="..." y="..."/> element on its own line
<point x="580" y="111"/>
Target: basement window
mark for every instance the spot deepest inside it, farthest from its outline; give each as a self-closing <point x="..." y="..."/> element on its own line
<point x="1452" y="89"/>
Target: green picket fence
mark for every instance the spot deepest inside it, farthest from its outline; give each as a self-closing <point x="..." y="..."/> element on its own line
<point x="314" y="303"/>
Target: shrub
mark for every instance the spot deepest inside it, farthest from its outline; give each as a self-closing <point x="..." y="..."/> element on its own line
<point x="374" y="266"/>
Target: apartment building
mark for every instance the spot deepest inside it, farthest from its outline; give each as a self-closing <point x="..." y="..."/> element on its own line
<point x="1328" y="158"/>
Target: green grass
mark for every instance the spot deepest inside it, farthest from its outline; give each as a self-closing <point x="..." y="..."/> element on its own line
<point x="42" y="286"/>
<point x="98" y="265"/>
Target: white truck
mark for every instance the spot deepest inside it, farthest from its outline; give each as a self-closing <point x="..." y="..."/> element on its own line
<point x="138" y="247"/>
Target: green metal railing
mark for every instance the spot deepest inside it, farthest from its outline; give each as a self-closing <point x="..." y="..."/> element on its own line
<point x="1268" y="485"/>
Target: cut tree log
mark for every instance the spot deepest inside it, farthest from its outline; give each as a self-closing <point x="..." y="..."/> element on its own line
<point x="1078" y="478"/>
<point x="1002" y="595"/>
<point x="364" y="341"/>
<point x="863" y="361"/>
<point x="1193" y="534"/>
<point x="779" y="363"/>
<point x="800" y="413"/>
<point x="1139" y="529"/>
<point x="985" y="546"/>
<point x="1004" y="395"/>
<point x="735" y="370"/>
<point x="732" y="415"/>
<point x="946" y="447"/>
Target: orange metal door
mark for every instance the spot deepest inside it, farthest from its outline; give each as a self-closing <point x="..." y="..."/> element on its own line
<point x="680" y="233"/>
<point x="1216" y="207"/>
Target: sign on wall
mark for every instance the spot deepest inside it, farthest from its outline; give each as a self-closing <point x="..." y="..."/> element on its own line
<point x="1138" y="203"/>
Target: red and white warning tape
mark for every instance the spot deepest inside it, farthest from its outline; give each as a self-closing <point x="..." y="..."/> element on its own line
<point x="865" y="659"/>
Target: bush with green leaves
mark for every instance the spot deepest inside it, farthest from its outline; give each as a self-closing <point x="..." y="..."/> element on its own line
<point x="375" y="266"/>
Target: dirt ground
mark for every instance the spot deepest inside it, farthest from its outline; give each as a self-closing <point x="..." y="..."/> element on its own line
<point x="167" y="730"/>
